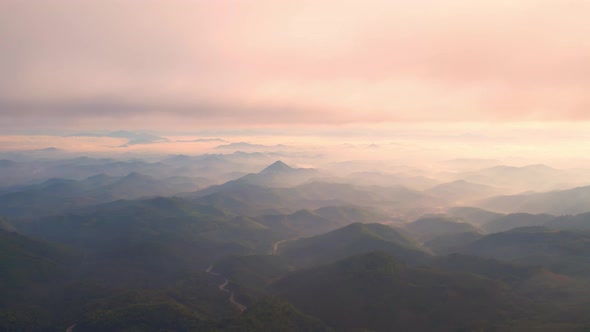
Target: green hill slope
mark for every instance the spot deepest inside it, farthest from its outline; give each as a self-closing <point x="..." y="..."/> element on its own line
<point x="515" y="220"/>
<point x="431" y="226"/>
<point x="374" y="291"/>
<point x="307" y="223"/>
<point x="473" y="215"/>
<point x="571" y="201"/>
<point x="561" y="251"/>
<point x="350" y="240"/>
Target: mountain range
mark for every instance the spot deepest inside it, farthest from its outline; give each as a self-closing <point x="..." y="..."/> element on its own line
<point x="243" y="242"/>
<point x="57" y="195"/>
<point x="561" y="202"/>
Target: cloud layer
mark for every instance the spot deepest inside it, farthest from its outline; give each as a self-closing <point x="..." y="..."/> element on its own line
<point x="177" y="64"/>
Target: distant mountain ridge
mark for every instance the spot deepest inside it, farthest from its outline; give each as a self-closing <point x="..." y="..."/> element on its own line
<point x="353" y="239"/>
<point x="429" y="227"/>
<point x="209" y="168"/>
<point x="55" y="195"/>
<point x="516" y="220"/>
<point x="538" y="177"/>
<point x="279" y="189"/>
<point x="461" y="191"/>
<point x="250" y="199"/>
<point x="562" y="251"/>
<point x="473" y="215"/>
<point x="562" y="202"/>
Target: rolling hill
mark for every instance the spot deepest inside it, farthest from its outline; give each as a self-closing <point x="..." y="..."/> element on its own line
<point x="381" y="294"/>
<point x="561" y="251"/>
<point x="580" y="221"/>
<point x="461" y="191"/>
<point x="530" y="177"/>
<point x="431" y="226"/>
<point x="515" y="220"/>
<point x="449" y="243"/>
<point x="307" y="223"/>
<point x="353" y="239"/>
<point x="251" y="199"/>
<point x="166" y="231"/>
<point x="570" y="201"/>
<point x="473" y="215"/>
<point x="57" y="195"/>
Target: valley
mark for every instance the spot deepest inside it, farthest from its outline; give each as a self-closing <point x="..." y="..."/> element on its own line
<point x="313" y="252"/>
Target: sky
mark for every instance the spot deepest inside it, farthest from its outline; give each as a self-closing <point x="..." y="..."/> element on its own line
<point x="293" y="66"/>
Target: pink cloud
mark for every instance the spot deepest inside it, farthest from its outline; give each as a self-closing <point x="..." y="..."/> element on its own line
<point x="260" y="63"/>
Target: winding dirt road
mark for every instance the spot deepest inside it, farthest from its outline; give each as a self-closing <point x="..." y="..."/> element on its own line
<point x="224" y="288"/>
<point x="232" y="297"/>
<point x="208" y="270"/>
<point x="275" y="247"/>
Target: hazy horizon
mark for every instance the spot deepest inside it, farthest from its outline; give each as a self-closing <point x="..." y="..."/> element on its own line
<point x="297" y="68"/>
<point x="407" y="82"/>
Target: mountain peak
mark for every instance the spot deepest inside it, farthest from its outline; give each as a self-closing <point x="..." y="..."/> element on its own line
<point x="137" y="176"/>
<point x="49" y="149"/>
<point x="98" y="177"/>
<point x="539" y="167"/>
<point x="276" y="167"/>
